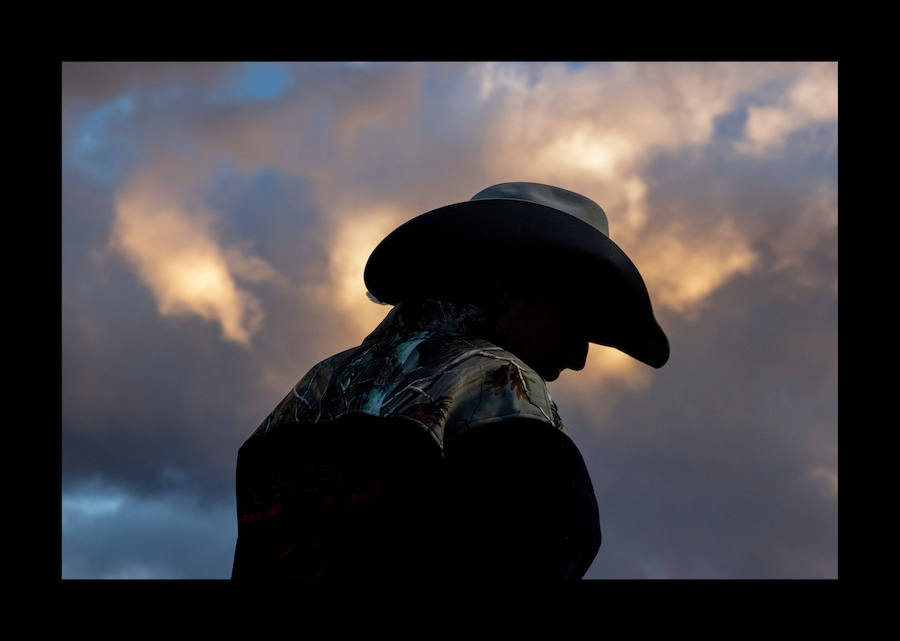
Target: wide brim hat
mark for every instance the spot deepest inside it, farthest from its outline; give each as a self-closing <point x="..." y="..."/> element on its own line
<point x="517" y="227"/>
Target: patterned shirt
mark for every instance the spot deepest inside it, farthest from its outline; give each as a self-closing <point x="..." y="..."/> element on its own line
<point x="430" y="363"/>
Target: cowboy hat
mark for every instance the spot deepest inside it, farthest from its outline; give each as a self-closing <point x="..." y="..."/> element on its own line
<point x="511" y="226"/>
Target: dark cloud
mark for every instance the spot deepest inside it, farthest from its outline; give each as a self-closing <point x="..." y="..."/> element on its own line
<point x="144" y="392"/>
<point x="274" y="214"/>
<point x="111" y="533"/>
<point x="102" y="81"/>
<point x="709" y="472"/>
<point x="87" y="85"/>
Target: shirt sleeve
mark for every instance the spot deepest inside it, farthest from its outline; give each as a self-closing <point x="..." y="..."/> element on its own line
<point x="520" y="504"/>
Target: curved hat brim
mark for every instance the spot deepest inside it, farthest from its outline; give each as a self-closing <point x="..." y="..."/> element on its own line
<point x="454" y="242"/>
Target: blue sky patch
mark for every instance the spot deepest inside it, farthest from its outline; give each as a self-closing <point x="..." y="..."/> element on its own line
<point x="258" y="81"/>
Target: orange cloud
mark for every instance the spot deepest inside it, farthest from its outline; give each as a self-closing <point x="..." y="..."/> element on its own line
<point x="682" y="267"/>
<point x="354" y="239"/>
<point x="175" y="252"/>
<point x="605" y="363"/>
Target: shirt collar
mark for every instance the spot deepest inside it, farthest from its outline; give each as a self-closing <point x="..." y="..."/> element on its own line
<point x="432" y="316"/>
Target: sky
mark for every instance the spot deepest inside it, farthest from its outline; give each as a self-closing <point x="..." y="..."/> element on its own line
<point x="217" y="217"/>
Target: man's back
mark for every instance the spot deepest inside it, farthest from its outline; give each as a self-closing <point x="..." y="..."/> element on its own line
<point x="426" y="453"/>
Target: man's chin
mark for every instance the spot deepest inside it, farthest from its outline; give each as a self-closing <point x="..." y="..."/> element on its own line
<point x="551" y="375"/>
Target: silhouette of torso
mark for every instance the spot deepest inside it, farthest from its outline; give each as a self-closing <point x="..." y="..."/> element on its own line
<point x="425" y="453"/>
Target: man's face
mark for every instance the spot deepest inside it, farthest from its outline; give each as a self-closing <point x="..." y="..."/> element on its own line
<point x="546" y="334"/>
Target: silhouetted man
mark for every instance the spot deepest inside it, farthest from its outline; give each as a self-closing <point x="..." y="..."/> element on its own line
<point x="433" y="451"/>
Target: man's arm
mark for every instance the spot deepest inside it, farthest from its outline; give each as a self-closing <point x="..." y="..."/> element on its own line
<point x="521" y="504"/>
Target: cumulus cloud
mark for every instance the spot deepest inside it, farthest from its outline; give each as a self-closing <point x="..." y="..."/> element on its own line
<point x="613" y="116"/>
<point x="810" y="100"/>
<point x="176" y="253"/>
<point x="596" y="132"/>
<point x="683" y="266"/>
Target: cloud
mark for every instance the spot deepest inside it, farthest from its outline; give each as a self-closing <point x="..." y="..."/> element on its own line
<point x="613" y="116"/>
<point x="100" y="81"/>
<point x="110" y="533"/>
<point x="176" y="253"/>
<point x="812" y="99"/>
<point x="808" y="232"/>
<point x="85" y="85"/>
<point x="596" y="131"/>
<point x="828" y="480"/>
<point x="608" y="375"/>
<point x="683" y="267"/>
<point x="251" y="269"/>
<point x="354" y="240"/>
<point x="721" y="466"/>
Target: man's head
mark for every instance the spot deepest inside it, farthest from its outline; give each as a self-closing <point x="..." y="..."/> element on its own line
<point x="539" y="322"/>
<point x="522" y="231"/>
<point x="544" y="334"/>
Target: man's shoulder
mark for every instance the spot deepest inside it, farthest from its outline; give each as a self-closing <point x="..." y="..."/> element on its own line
<point x="305" y="394"/>
<point x="445" y="383"/>
<point x="501" y="387"/>
<point x="470" y="382"/>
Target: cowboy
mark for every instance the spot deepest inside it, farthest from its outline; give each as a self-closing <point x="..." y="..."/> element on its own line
<point x="434" y="451"/>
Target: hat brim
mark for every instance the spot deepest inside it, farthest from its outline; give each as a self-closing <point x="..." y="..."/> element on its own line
<point x="454" y="244"/>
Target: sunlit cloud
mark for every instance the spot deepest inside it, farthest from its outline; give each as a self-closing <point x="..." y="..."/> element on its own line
<point x="602" y="153"/>
<point x="611" y="117"/>
<point x="600" y="139"/>
<point x="354" y="240"/>
<point x="683" y="267"/>
<point x="608" y="376"/>
<point x="605" y="363"/>
<point x="176" y="253"/>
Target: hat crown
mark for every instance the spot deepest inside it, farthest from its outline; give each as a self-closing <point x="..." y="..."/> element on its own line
<point x="563" y="200"/>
